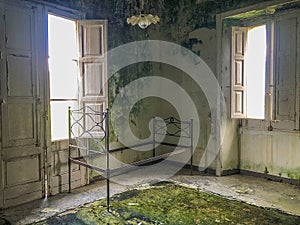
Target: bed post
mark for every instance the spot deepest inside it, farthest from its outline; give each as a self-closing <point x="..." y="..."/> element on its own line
<point x="153" y="140"/>
<point x="69" y="147"/>
<point x="107" y="160"/>
<point x="191" y="147"/>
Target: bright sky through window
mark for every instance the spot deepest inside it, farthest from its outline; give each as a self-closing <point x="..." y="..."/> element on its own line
<point x="255" y="69"/>
<point x="63" y="72"/>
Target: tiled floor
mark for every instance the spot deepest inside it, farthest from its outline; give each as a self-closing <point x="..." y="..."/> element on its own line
<point x="253" y="190"/>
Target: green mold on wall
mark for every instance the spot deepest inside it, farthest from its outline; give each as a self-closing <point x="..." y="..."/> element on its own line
<point x="266" y="171"/>
<point x="250" y="14"/>
<point x="292" y="173"/>
<point x="271" y="170"/>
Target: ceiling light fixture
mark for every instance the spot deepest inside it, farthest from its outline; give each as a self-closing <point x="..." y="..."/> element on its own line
<point x="143" y="20"/>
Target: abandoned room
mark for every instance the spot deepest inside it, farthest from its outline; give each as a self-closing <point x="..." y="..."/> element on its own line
<point x="149" y="112"/>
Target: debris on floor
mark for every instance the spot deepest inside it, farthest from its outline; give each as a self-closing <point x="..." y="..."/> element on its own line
<point x="170" y="203"/>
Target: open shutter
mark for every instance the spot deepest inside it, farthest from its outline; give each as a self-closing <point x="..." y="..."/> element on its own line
<point x="238" y="85"/>
<point x="93" y="64"/>
<point x="286" y="69"/>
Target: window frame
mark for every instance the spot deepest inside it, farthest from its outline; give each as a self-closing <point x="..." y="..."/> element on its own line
<point x="59" y="100"/>
<point x="92" y="101"/>
<point x="224" y="67"/>
<point x="70" y="15"/>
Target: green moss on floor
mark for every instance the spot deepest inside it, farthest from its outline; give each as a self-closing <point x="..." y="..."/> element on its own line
<point x="171" y="204"/>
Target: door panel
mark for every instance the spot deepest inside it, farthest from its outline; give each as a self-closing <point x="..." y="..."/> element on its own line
<point x="15" y="174"/>
<point x="19" y="83"/>
<point x="20" y="124"/>
<point x="22" y="41"/>
<point x="93" y="80"/>
<point x="92" y="33"/>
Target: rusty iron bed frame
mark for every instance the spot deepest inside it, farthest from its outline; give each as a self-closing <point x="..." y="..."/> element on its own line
<point x="88" y="124"/>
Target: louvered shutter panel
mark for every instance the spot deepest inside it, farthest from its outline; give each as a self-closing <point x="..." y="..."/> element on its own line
<point x="238" y="85"/>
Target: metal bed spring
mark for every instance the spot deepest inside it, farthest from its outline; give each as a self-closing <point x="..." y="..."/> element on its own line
<point x="86" y="123"/>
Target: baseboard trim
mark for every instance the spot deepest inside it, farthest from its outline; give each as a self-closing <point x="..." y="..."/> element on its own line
<point x="271" y="177"/>
<point x="228" y="173"/>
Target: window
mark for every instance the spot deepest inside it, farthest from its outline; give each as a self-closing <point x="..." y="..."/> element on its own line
<point x="265" y="69"/>
<point x="77" y="71"/>
<point x="281" y="94"/>
<point x="248" y="72"/>
<point x="63" y="71"/>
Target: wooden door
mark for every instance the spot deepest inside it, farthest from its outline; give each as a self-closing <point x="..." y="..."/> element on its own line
<point x="21" y="151"/>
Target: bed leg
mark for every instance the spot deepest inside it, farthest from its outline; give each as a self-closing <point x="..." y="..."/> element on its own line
<point x="153" y="138"/>
<point x="108" y="194"/>
<point x="69" y="147"/>
<point x="69" y="165"/>
<point x="191" y="166"/>
<point x="192" y="135"/>
<point x="107" y="161"/>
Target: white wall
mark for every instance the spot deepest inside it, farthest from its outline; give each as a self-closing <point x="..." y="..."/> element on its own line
<point x="271" y="152"/>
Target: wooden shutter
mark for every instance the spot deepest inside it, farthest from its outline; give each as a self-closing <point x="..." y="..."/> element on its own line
<point x="238" y="85"/>
<point x="93" y="64"/>
<point x="286" y="68"/>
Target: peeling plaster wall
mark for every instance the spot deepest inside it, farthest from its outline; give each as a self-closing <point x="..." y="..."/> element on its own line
<point x="203" y="39"/>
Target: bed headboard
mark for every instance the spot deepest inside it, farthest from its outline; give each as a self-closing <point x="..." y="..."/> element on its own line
<point x="173" y="127"/>
<point x="88" y="125"/>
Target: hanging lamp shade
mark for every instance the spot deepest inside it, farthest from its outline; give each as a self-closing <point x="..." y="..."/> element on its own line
<point x="143" y="20"/>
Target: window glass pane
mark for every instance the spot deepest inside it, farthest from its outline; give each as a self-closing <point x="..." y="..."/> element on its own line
<point x="59" y="118"/>
<point x="255" y="69"/>
<point x="62" y="58"/>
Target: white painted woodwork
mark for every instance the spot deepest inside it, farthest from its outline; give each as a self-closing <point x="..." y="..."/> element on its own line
<point x="286" y="67"/>
<point x="274" y="151"/>
<point x="92" y="36"/>
<point x="2" y="71"/>
<point x="93" y="63"/>
<point x="22" y="177"/>
<point x="238" y="85"/>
